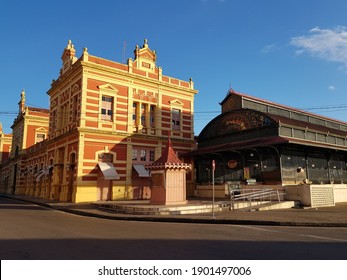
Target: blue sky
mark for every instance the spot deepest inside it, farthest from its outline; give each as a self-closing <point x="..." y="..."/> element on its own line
<point x="285" y="51"/>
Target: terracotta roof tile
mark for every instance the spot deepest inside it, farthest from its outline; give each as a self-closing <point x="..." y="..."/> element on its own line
<point x="168" y="156"/>
<point x="168" y="159"/>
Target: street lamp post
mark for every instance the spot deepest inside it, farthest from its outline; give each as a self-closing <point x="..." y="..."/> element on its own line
<point x="213" y="169"/>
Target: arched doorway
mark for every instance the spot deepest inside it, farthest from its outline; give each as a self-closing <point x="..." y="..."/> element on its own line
<point x="270" y="161"/>
<point x="252" y="169"/>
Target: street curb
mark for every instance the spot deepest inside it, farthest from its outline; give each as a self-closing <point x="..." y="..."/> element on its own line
<point x="202" y="221"/>
<point x="177" y="219"/>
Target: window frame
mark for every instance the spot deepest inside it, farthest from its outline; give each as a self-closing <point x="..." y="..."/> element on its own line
<point x="176" y="119"/>
<point x="107" y="112"/>
<point x="143" y="155"/>
<point x="40" y="133"/>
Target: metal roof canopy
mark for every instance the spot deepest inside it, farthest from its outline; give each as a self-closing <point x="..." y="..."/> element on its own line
<point x="140" y="169"/>
<point x="108" y="170"/>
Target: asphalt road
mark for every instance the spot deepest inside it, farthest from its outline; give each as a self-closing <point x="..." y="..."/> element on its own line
<point x="28" y="231"/>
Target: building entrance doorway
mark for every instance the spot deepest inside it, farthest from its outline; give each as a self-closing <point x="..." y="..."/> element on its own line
<point x="104" y="188"/>
<point x="141" y="183"/>
<point x="106" y="174"/>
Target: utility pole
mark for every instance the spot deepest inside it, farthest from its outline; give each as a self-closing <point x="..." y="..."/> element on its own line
<point x="213" y="169"/>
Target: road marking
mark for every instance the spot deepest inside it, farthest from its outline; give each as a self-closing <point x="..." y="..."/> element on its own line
<point x="302" y="235"/>
<point x="255" y="228"/>
<point x="322" y="237"/>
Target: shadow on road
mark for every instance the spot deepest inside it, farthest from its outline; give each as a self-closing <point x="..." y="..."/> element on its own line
<point x="125" y="249"/>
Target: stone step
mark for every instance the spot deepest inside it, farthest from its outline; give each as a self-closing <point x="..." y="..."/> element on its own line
<point x="193" y="208"/>
<point x="160" y="210"/>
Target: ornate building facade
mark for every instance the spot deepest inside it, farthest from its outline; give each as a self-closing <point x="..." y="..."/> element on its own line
<point x="106" y="121"/>
<point x="29" y="129"/>
<point x="5" y="145"/>
<point x="5" y="148"/>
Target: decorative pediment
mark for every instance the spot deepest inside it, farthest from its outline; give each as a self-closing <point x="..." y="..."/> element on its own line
<point x="69" y="51"/>
<point x="40" y="129"/>
<point x="176" y="103"/>
<point x="108" y="87"/>
<point x="75" y="87"/>
<point x="145" y="52"/>
<point x="68" y="57"/>
<point x="145" y="58"/>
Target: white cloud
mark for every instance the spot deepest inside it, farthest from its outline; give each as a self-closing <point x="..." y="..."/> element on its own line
<point x="331" y="88"/>
<point x="326" y="44"/>
<point x="268" y="48"/>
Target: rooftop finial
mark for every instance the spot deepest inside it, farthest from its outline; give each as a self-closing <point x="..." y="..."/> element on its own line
<point x="70" y="46"/>
<point x="231" y="90"/>
<point x="21" y="103"/>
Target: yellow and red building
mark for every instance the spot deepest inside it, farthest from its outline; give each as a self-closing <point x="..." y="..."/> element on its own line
<point x="5" y="148"/>
<point x="5" y="145"/>
<point x="106" y="121"/>
<point x="29" y="128"/>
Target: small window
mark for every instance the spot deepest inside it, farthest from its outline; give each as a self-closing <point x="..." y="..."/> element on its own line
<point x="176" y="119"/>
<point x="151" y="156"/>
<point x="134" y="156"/>
<point x="143" y="120"/>
<point x="107" y="108"/>
<point x="134" y="112"/>
<point x="143" y="114"/>
<point x="143" y="155"/>
<point x="152" y="116"/>
<point x="40" y="137"/>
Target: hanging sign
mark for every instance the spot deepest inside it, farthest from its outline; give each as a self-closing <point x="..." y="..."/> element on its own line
<point x="232" y="163"/>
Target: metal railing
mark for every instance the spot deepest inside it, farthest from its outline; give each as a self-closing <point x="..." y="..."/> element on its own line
<point x="254" y="196"/>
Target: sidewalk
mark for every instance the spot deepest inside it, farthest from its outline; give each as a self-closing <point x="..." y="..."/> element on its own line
<point x="319" y="217"/>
